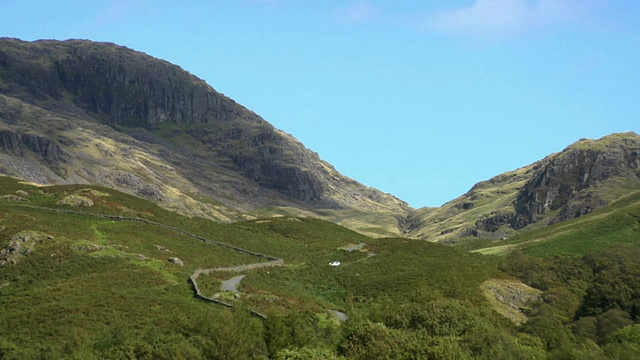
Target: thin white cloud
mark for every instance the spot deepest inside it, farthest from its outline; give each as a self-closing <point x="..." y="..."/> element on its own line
<point x="358" y="11"/>
<point x="501" y="18"/>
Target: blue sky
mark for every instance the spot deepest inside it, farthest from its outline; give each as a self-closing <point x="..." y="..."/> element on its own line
<point x="419" y="99"/>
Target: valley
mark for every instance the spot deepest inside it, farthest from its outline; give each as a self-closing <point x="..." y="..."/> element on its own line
<point x="144" y="215"/>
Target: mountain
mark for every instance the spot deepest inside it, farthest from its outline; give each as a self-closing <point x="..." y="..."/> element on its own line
<point x="81" y="112"/>
<point x="587" y="175"/>
<point x="97" y="113"/>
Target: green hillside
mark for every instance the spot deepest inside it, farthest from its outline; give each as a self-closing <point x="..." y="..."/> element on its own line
<point x="85" y="274"/>
<point x="616" y="223"/>
<point x="89" y="282"/>
<point x="93" y="280"/>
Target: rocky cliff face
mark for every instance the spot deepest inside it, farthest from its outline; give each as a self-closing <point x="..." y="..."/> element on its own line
<point x="166" y="130"/>
<point x="126" y="87"/>
<point x="18" y="143"/>
<point x="562" y="183"/>
<point x="585" y="176"/>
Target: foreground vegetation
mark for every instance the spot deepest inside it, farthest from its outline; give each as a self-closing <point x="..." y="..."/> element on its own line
<point x="90" y="287"/>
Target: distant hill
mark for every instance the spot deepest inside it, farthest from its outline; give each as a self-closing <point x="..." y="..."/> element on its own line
<point x="586" y="176"/>
<point x="85" y="112"/>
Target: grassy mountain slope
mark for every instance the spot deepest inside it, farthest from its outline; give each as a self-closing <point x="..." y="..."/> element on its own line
<point x="584" y="177"/>
<point x="85" y="286"/>
<point x="457" y="218"/>
<point x="614" y="224"/>
<point x="85" y="112"/>
<point x="80" y="279"/>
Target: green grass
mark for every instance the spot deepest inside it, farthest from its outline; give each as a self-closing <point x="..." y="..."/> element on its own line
<point x="124" y="294"/>
<point x="616" y="223"/>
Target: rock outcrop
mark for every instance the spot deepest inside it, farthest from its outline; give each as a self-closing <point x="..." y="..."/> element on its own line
<point x="127" y="87"/>
<point x="562" y="183"/>
<point x="76" y="201"/>
<point x="19" y="246"/>
<point x="18" y="143"/>
<point x="13" y="198"/>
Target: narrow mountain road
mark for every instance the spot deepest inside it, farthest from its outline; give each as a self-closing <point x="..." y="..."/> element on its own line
<point x="229" y="285"/>
<point x="352" y="248"/>
<point x="232" y="284"/>
<point x="247" y="267"/>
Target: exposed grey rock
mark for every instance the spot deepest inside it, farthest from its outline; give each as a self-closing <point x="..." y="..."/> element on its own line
<point x="14" y="198"/>
<point x="19" y="246"/>
<point x="152" y="192"/>
<point x="175" y="260"/>
<point x="340" y="315"/>
<point x="91" y="247"/>
<point x="495" y="220"/>
<point x="561" y="183"/>
<point x="76" y="201"/>
<point x="18" y="143"/>
<point x="128" y="180"/>
<point x="22" y="193"/>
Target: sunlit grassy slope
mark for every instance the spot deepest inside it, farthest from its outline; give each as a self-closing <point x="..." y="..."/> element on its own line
<point x="457" y="218"/>
<point x="616" y="223"/>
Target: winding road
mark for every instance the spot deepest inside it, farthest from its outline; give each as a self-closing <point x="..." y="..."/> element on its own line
<point x="229" y="285"/>
<point x="232" y="284"/>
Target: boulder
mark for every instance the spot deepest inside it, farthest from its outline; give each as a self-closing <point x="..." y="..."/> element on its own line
<point x="14" y="198"/>
<point x="22" y="193"/>
<point x="76" y="201"/>
<point x="19" y="246"/>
